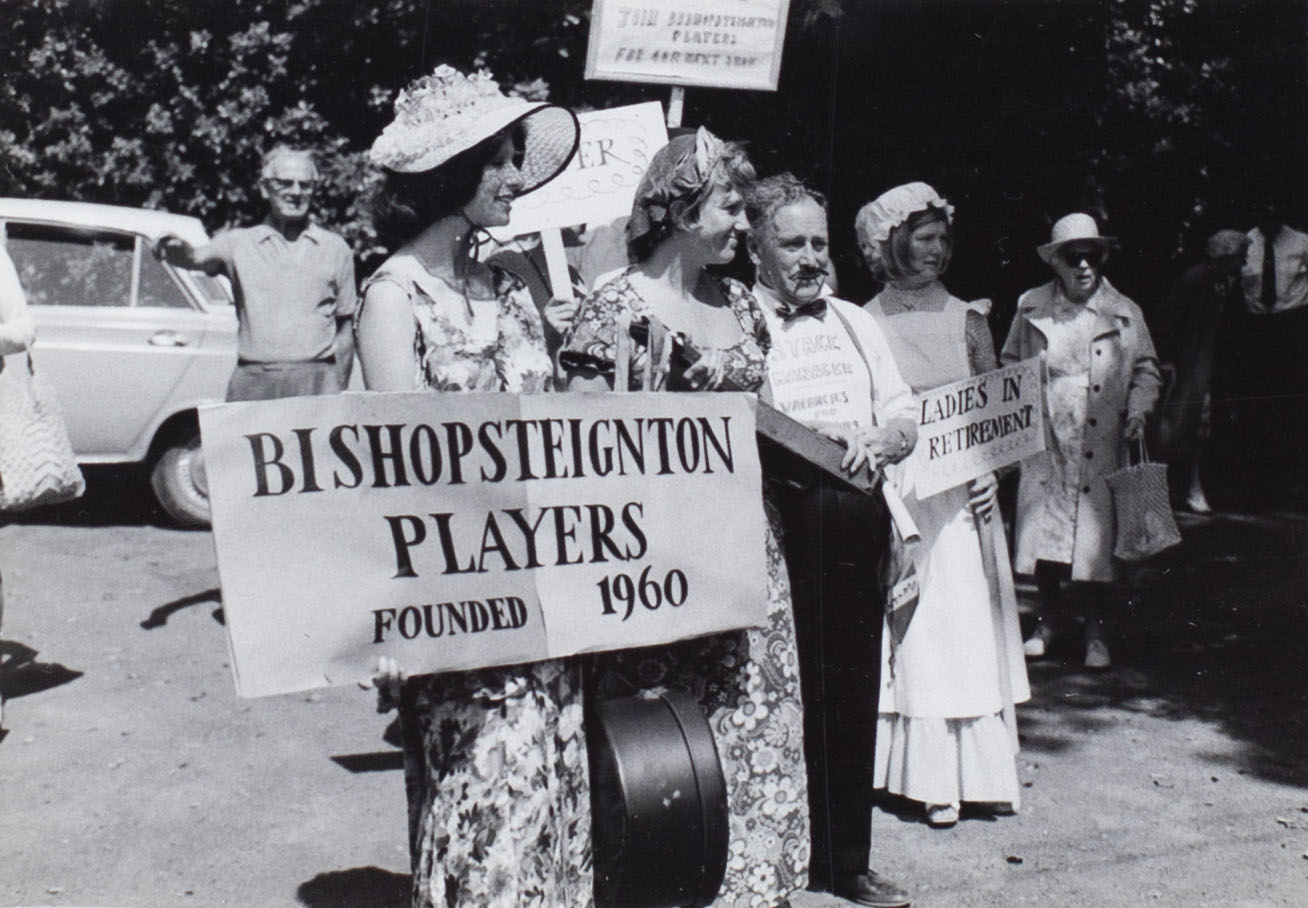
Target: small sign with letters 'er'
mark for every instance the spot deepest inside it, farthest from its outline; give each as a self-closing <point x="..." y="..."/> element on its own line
<point x="458" y="531"/>
<point x="713" y="43"/>
<point x="600" y="181"/>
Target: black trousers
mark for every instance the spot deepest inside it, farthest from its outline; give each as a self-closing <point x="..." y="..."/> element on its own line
<point x="834" y="538"/>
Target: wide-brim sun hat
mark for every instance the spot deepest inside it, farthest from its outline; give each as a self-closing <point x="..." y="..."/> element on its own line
<point x="1074" y="228"/>
<point x="894" y="206"/>
<point x="448" y="112"/>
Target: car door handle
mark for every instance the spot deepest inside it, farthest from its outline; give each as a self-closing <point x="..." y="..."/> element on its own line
<point x="167" y="339"/>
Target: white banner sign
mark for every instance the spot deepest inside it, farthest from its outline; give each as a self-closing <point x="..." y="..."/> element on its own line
<point x="976" y="425"/>
<point x="599" y="183"/>
<point x="455" y="531"/>
<point x="714" y="43"/>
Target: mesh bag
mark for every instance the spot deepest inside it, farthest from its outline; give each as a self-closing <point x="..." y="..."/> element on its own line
<point x="37" y="465"/>
<point x="1145" y="525"/>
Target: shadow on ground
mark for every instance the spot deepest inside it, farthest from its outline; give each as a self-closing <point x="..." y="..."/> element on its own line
<point x="1215" y="629"/>
<point x="21" y="674"/>
<point x="115" y="496"/>
<point x="159" y="616"/>
<point x="370" y="886"/>
<point x="376" y="761"/>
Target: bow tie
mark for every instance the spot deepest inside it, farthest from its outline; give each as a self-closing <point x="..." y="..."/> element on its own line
<point x="816" y="308"/>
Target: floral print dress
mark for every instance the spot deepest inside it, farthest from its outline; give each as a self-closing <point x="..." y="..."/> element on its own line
<point x="747" y="682"/>
<point x="495" y="759"/>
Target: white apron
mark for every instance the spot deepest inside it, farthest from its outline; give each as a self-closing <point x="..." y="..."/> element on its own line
<point x="948" y="662"/>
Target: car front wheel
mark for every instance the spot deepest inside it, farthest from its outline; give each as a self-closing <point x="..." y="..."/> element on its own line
<point x="179" y="484"/>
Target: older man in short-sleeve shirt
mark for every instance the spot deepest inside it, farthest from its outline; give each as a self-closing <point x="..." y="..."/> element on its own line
<point x="294" y="287"/>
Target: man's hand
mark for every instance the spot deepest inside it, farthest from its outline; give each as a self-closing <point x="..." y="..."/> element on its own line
<point x="887" y="444"/>
<point x="859" y="445"/>
<point x="171" y="248"/>
<point x="982" y="495"/>
<point x="168" y="244"/>
<point x="855" y="442"/>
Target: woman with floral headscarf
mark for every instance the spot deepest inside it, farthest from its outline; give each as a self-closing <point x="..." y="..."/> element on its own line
<point x="952" y="667"/>
<point x="688" y="216"/>
<point x="495" y="759"/>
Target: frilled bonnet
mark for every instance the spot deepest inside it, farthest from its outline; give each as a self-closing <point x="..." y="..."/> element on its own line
<point x="894" y="206"/>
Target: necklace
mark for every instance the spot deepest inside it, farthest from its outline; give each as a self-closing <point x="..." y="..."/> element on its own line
<point x="458" y="279"/>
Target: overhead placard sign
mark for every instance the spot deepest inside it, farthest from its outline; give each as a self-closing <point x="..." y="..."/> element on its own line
<point x="456" y="531"/>
<point x="714" y="43"/>
<point x="599" y="183"/>
<point x="976" y="425"/>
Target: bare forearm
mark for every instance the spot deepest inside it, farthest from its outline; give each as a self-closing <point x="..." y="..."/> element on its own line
<point x="181" y="254"/>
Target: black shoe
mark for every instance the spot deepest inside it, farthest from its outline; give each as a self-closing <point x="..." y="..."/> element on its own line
<point x="874" y="890"/>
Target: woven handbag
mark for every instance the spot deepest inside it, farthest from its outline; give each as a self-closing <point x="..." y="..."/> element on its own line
<point x="37" y="465"/>
<point x="1145" y="525"/>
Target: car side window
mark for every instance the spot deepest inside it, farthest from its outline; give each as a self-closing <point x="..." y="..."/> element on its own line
<point x="158" y="288"/>
<point x="60" y="266"/>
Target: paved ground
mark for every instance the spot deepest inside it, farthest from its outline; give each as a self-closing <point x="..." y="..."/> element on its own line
<point x="131" y="774"/>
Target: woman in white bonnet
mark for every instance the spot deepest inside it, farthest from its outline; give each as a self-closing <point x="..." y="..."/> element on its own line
<point x="495" y="759"/>
<point x="1101" y="384"/>
<point x="952" y="665"/>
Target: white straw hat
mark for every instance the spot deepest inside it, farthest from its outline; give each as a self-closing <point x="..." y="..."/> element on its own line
<point x="448" y="112"/>
<point x="1075" y="227"/>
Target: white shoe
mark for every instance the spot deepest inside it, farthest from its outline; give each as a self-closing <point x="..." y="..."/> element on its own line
<point x="941" y="816"/>
<point x="1035" y="646"/>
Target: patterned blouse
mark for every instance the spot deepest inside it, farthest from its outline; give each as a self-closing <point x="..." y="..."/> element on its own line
<point x="593" y="341"/>
<point x="491" y="344"/>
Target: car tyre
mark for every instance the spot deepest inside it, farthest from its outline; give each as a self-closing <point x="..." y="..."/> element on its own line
<point x="180" y="485"/>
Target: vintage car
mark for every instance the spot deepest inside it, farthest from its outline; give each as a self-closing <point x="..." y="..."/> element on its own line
<point x="131" y="345"/>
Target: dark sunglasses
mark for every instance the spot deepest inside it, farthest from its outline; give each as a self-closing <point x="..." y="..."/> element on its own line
<point x="287" y="185"/>
<point x="1073" y="255"/>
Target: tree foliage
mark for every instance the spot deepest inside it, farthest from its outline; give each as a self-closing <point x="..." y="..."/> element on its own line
<point x="171" y="103"/>
<point x="1167" y="114"/>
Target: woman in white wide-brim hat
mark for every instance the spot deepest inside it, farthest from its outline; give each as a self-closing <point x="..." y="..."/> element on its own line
<point x="952" y="670"/>
<point x="495" y="760"/>
<point x="1101" y="383"/>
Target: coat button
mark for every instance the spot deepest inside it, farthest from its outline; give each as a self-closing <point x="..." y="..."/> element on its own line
<point x="1096" y="389"/>
<point x="1099" y="353"/>
<point x="1089" y="455"/>
<point x="1093" y="422"/>
<point x="1085" y="489"/>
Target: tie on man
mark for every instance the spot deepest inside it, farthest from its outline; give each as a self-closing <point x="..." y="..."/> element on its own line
<point x="1268" y="294"/>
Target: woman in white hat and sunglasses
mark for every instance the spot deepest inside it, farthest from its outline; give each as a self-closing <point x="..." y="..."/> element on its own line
<point x="495" y="760"/>
<point x="1101" y="383"/>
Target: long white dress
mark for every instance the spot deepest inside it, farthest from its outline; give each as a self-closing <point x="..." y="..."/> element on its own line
<point x="949" y="679"/>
